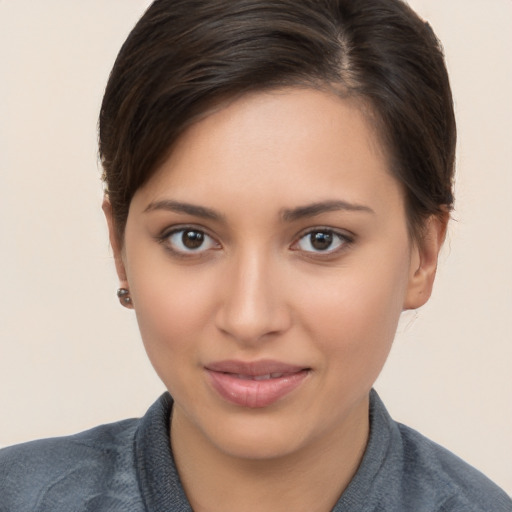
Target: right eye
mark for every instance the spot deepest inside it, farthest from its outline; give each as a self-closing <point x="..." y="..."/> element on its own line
<point x="189" y="241"/>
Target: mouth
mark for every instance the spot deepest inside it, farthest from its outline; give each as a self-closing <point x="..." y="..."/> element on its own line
<point x="257" y="384"/>
<point x="267" y="376"/>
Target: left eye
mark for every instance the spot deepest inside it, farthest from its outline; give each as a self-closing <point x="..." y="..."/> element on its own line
<point x="190" y="240"/>
<point x="321" y="241"/>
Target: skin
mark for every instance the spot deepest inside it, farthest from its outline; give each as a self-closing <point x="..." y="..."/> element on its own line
<point x="258" y="289"/>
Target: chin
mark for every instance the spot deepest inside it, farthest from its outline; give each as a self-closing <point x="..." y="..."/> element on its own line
<point x="259" y="444"/>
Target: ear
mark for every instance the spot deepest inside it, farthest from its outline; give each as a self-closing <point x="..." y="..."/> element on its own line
<point x="424" y="256"/>
<point x="116" y="243"/>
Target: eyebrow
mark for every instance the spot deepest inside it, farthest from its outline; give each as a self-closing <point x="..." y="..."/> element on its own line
<point x="179" y="207"/>
<point x="288" y="215"/>
<point x="313" y="209"/>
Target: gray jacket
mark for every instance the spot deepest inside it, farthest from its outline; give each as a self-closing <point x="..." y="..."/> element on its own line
<point x="128" y="467"/>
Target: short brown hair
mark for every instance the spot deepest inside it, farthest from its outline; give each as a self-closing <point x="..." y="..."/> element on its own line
<point x="185" y="55"/>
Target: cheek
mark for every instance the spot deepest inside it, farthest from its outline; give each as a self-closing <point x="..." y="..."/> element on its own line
<point x="353" y="315"/>
<point x="173" y="311"/>
<point x="169" y="324"/>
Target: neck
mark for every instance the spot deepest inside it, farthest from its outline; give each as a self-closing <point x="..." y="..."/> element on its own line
<point x="312" y="478"/>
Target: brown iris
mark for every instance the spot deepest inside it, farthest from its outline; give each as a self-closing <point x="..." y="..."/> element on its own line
<point x="192" y="239"/>
<point x="321" y="240"/>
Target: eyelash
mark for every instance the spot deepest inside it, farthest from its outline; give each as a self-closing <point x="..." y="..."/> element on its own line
<point x="166" y="239"/>
<point x="343" y="242"/>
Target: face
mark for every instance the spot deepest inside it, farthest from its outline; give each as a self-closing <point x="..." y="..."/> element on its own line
<point x="268" y="260"/>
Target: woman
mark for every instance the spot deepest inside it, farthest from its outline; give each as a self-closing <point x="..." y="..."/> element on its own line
<point x="278" y="184"/>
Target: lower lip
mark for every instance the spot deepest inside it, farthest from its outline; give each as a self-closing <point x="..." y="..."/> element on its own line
<point x="255" y="393"/>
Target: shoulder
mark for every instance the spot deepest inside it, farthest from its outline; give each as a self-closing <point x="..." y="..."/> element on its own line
<point x="453" y="484"/>
<point x="34" y="476"/>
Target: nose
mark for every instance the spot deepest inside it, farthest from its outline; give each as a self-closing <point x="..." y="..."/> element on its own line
<point x="253" y="305"/>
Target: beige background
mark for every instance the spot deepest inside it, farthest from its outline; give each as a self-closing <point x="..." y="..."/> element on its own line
<point x="70" y="356"/>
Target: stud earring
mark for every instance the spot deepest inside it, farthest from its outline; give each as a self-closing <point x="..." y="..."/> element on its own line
<point x="124" y="297"/>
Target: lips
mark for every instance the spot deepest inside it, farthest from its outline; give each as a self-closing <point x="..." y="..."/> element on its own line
<point x="260" y="377"/>
<point x="256" y="384"/>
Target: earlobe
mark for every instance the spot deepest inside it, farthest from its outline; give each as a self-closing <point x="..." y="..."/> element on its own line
<point x="424" y="256"/>
<point x="115" y="243"/>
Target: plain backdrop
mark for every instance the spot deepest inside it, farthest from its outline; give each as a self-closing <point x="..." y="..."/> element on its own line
<point x="70" y="355"/>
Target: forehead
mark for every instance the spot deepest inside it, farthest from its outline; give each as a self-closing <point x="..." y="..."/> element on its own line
<point x="295" y="145"/>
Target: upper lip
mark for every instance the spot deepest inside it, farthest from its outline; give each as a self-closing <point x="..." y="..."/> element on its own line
<point x="254" y="368"/>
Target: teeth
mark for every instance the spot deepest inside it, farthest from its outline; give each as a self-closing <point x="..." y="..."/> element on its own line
<point x="260" y="377"/>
